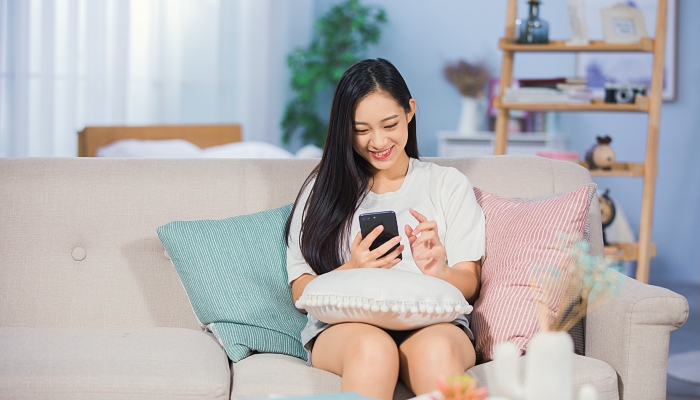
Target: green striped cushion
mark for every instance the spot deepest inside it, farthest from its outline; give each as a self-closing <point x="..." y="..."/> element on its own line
<point x="234" y="272"/>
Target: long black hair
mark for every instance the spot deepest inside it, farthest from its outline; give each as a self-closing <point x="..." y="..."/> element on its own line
<point x="342" y="177"/>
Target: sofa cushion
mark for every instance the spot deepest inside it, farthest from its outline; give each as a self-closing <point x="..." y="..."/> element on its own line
<point x="267" y="375"/>
<point x="234" y="273"/>
<point x="263" y="375"/>
<point x="111" y="363"/>
<point x="585" y="370"/>
<point x="525" y="251"/>
<point x="390" y="299"/>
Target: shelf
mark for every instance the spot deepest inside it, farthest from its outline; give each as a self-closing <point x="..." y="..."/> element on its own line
<point x="645" y="45"/>
<point x="618" y="169"/>
<point x="640" y="105"/>
<point x="626" y="251"/>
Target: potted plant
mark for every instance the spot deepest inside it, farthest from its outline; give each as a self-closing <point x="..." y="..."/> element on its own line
<point x="341" y="38"/>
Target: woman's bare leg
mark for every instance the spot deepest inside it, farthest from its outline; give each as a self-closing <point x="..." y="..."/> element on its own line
<point x="365" y="356"/>
<point x="434" y="353"/>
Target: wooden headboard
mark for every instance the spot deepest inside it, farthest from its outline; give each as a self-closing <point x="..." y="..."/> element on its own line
<point x="93" y="137"/>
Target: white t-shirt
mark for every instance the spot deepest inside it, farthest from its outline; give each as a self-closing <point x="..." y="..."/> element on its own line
<point x="441" y="194"/>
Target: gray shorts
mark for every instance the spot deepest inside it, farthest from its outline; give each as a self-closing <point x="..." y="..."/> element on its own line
<point x="314" y="327"/>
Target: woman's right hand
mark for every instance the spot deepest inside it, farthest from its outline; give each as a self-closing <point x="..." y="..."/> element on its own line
<point x="362" y="257"/>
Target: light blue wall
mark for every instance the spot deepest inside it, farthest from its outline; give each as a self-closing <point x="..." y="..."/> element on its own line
<point x="422" y="35"/>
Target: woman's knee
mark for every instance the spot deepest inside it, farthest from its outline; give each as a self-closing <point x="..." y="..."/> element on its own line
<point x="373" y="347"/>
<point x="357" y="346"/>
<point x="443" y="346"/>
<point x="440" y="348"/>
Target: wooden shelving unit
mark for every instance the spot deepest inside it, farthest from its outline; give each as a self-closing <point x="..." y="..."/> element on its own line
<point x="644" y="249"/>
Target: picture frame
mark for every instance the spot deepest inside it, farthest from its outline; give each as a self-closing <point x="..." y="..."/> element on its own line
<point x="600" y="68"/>
<point x="622" y="24"/>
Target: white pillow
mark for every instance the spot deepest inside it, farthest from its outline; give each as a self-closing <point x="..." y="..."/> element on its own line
<point x="309" y="151"/>
<point x="389" y="299"/>
<point x="246" y="150"/>
<point x="172" y="148"/>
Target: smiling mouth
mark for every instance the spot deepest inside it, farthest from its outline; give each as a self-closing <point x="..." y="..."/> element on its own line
<point x="380" y="155"/>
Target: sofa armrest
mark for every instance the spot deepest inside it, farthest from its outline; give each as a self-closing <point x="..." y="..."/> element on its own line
<point x="631" y="331"/>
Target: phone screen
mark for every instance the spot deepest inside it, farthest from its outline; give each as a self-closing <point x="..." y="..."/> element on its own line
<point x="370" y="221"/>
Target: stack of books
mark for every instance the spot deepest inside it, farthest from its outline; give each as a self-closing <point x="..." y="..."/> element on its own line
<point x="555" y="90"/>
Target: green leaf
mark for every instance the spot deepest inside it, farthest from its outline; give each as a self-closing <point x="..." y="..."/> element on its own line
<point x="341" y="37"/>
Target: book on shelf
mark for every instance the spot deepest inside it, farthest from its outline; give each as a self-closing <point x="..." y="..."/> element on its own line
<point x="520" y="121"/>
<point x="545" y="82"/>
<point x="555" y="83"/>
<point x="535" y="122"/>
<point x="559" y="154"/>
<point x="546" y="95"/>
<point x="571" y="86"/>
<point x="560" y="86"/>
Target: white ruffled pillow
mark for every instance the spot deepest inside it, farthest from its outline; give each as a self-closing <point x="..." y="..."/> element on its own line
<point x="389" y="299"/>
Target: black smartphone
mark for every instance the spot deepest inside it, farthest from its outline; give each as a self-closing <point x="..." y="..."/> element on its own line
<point x="369" y="221"/>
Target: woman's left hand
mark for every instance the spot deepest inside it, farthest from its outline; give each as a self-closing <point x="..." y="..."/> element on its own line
<point x="426" y="248"/>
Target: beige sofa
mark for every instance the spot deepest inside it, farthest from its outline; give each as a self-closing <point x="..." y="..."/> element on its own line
<point x="91" y="307"/>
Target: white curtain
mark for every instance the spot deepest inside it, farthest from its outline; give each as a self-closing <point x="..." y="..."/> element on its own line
<point x="66" y="64"/>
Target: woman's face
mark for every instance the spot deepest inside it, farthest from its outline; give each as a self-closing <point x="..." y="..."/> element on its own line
<point x="381" y="130"/>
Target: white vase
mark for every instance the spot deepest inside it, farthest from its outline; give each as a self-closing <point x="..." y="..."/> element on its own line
<point x="548" y="369"/>
<point x="506" y="363"/>
<point x="469" y="117"/>
<point x="548" y="366"/>
<point x="577" y="19"/>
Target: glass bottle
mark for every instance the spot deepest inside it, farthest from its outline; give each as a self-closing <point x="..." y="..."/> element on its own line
<point x="533" y="29"/>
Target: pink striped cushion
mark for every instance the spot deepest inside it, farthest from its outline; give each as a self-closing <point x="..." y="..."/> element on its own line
<point x="522" y="235"/>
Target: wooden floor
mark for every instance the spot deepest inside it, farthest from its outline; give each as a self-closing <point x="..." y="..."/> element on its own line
<point x="686" y="338"/>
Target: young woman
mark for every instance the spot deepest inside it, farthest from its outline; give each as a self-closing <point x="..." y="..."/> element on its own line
<point x="370" y="163"/>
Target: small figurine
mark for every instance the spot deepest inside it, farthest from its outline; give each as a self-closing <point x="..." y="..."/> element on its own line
<point x="601" y="155"/>
<point x="607" y="212"/>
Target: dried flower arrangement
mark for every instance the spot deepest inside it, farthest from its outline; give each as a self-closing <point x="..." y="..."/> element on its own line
<point x="593" y="277"/>
<point x="469" y="79"/>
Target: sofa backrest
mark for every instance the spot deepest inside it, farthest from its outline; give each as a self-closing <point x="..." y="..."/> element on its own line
<point x="78" y="243"/>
